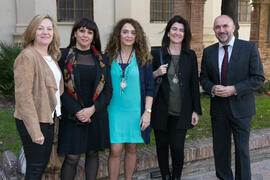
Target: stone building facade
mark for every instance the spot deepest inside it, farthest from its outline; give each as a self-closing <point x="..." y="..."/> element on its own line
<point x="16" y="14"/>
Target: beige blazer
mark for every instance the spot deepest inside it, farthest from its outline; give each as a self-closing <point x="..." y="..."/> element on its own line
<point x="35" y="89"/>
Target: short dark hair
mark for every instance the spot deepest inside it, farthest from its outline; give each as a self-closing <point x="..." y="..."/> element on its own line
<point x="88" y="24"/>
<point x="187" y="35"/>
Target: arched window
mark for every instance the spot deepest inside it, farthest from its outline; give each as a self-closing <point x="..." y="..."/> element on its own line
<point x="161" y="10"/>
<point x="70" y="10"/>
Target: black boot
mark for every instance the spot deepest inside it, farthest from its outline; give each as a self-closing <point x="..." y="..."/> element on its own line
<point x="176" y="178"/>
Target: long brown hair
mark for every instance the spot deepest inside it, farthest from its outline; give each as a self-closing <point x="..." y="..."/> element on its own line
<point x="140" y="45"/>
<point x="30" y="34"/>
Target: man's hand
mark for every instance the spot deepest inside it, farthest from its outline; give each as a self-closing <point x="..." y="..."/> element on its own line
<point x="224" y="91"/>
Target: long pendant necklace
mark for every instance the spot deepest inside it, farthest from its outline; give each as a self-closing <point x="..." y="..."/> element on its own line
<point x="175" y="79"/>
<point x="123" y="83"/>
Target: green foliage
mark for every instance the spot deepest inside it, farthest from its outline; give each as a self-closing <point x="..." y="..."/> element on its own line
<point x="8" y="53"/>
<point x="9" y="138"/>
<point x="264" y="88"/>
<point x="262" y="116"/>
<point x="203" y="128"/>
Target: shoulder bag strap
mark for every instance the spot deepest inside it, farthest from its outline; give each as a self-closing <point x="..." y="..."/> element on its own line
<point x="160" y="56"/>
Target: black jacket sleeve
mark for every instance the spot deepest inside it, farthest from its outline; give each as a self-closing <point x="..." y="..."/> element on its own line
<point x="105" y="96"/>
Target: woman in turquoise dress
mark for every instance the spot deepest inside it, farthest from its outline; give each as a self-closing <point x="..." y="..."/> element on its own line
<point x="133" y="90"/>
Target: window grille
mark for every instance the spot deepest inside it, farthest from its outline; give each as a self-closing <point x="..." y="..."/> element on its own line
<point x="70" y="10"/>
<point x="161" y="10"/>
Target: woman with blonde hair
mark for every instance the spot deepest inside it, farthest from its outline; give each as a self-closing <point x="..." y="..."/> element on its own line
<point x="133" y="90"/>
<point x="38" y="86"/>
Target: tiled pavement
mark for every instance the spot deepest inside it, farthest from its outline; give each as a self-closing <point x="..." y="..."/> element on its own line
<point x="260" y="171"/>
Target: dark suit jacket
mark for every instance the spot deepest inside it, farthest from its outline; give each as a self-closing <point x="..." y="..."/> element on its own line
<point x="189" y="85"/>
<point x="244" y="71"/>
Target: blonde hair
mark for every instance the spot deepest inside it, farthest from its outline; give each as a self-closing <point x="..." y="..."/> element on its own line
<point x="30" y="34"/>
<point x="140" y="45"/>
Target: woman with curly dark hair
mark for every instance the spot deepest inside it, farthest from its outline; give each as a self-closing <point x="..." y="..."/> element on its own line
<point x="133" y="90"/>
<point x="177" y="104"/>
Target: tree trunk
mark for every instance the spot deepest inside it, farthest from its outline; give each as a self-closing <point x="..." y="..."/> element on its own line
<point x="230" y="8"/>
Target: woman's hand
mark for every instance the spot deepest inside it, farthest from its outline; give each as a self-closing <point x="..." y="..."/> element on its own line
<point x="194" y="119"/>
<point x="39" y="140"/>
<point x="145" y="120"/>
<point x="160" y="71"/>
<point x="85" y="114"/>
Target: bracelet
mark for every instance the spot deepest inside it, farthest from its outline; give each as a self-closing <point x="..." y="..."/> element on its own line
<point x="148" y="110"/>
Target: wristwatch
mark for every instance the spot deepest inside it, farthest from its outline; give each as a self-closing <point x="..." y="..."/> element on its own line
<point x="148" y="110"/>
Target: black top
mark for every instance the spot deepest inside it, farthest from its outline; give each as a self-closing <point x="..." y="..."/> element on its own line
<point x="87" y="71"/>
<point x="75" y="138"/>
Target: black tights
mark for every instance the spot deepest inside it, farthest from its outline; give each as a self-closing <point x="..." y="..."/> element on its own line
<point x="70" y="163"/>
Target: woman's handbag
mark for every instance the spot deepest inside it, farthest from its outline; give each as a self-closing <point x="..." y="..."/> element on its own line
<point x="54" y="165"/>
<point x="158" y="80"/>
<point x="22" y="162"/>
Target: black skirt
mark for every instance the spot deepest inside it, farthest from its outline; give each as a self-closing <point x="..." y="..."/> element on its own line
<point x="77" y="139"/>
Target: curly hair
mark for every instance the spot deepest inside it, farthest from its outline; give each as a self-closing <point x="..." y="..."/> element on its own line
<point x="140" y="45"/>
<point x="187" y="36"/>
<point x="30" y="34"/>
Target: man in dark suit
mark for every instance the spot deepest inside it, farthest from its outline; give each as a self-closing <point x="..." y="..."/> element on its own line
<point x="230" y="71"/>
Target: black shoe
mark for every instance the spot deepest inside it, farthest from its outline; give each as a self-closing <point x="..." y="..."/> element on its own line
<point x="176" y="178"/>
<point x="167" y="177"/>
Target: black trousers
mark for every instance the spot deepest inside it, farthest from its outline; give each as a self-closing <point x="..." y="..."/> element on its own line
<point x="223" y="126"/>
<point x="175" y="139"/>
<point x="37" y="156"/>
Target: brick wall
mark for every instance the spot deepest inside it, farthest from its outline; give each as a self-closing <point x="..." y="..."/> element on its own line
<point x="195" y="150"/>
<point x="265" y="56"/>
<point x="193" y="11"/>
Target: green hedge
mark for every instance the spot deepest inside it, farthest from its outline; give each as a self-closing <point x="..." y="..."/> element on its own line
<point x="8" y="53"/>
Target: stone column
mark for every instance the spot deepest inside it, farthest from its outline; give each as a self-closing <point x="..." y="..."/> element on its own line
<point x="194" y="15"/>
<point x="260" y="17"/>
<point x="260" y="32"/>
<point x="180" y="8"/>
<point x="264" y="23"/>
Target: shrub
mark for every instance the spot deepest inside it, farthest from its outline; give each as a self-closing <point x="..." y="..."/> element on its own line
<point x="8" y="53"/>
<point x="264" y="88"/>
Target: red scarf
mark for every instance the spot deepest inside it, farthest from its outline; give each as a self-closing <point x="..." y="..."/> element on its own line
<point x="70" y="63"/>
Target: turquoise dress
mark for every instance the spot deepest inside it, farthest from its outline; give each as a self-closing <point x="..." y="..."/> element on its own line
<point x="125" y="107"/>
